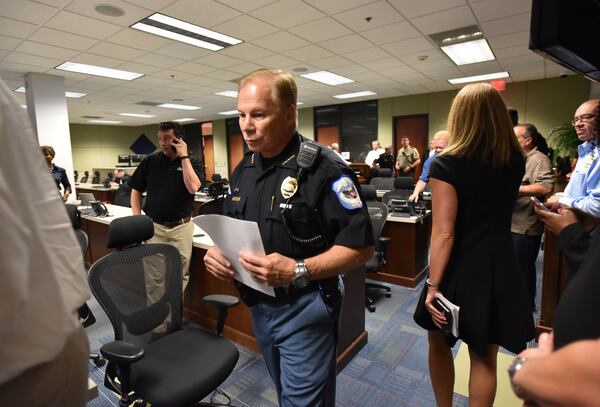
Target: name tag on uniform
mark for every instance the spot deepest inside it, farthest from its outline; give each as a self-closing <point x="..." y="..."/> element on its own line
<point x="284" y="206"/>
<point x="235" y="198"/>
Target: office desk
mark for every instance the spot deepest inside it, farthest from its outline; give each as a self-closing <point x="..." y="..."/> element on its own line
<point x="100" y="192"/>
<point x="238" y="327"/>
<point x="408" y="253"/>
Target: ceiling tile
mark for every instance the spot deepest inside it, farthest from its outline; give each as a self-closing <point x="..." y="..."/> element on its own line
<point x="277" y="61"/>
<point x="20" y="67"/>
<point x="62" y="39"/>
<point x="139" y="40"/>
<point x="506" y="25"/>
<point x="246" y="5"/>
<point x="408" y="46"/>
<point x="331" y="62"/>
<point x="512" y="52"/>
<point x="205" y="13"/>
<point x="28" y="11"/>
<point x="21" y="58"/>
<point x="492" y="9"/>
<point x="345" y="44"/>
<point x="520" y="38"/>
<point x="381" y="13"/>
<point x="54" y="3"/>
<point x="183" y="51"/>
<point x="218" y="60"/>
<point x="157" y="60"/>
<point x="132" y="13"/>
<point x="411" y="8"/>
<point x="81" y="25"/>
<point x="152" y="4"/>
<point x="139" y="68"/>
<point x="48" y="51"/>
<point x="390" y="33"/>
<point x="384" y="63"/>
<point x="309" y="53"/>
<point x="13" y="28"/>
<point x="222" y="74"/>
<point x="245" y="68"/>
<point x="481" y="68"/>
<point x="287" y="13"/>
<point x="337" y="6"/>
<point x="9" y="43"/>
<point x="367" y="54"/>
<point x="246" y="52"/>
<point x="97" y="60"/>
<point x="116" y="51"/>
<point x="521" y="60"/>
<point x="445" y="20"/>
<point x="280" y="42"/>
<point x="245" y="28"/>
<point x="320" y="30"/>
<point x="193" y="68"/>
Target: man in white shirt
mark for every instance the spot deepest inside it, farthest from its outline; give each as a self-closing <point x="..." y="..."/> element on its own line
<point x="374" y="153"/>
<point x="44" y="351"/>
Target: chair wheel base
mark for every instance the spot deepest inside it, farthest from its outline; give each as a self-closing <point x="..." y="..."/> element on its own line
<point x="371" y="308"/>
<point x="388" y="295"/>
<point x="98" y="360"/>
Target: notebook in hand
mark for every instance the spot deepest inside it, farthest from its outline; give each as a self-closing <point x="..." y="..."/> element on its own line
<point x="450" y="311"/>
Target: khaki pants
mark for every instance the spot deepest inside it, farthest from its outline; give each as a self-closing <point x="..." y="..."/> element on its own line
<point x="181" y="238"/>
<point x="61" y="382"/>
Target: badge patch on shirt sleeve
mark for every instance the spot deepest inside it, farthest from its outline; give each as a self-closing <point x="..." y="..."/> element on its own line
<point x="346" y="192"/>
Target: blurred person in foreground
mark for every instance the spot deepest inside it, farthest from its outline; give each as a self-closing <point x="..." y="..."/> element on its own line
<point x="472" y="261"/>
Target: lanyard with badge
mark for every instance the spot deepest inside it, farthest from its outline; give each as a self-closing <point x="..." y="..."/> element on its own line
<point x="306" y="159"/>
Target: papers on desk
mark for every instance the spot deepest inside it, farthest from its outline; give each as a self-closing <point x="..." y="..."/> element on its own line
<point x="231" y="236"/>
<point x="451" y="312"/>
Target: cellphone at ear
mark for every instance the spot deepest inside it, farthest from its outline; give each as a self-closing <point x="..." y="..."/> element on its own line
<point x="173" y="149"/>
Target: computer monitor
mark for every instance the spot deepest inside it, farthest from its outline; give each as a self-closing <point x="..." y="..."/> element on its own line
<point x="123" y="159"/>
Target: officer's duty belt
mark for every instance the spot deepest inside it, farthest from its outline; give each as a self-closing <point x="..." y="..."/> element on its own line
<point x="285" y="295"/>
<point x="173" y="223"/>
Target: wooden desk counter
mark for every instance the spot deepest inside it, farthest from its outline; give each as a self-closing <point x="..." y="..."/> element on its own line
<point x="408" y="253"/>
<point x="100" y="192"/>
<point x="238" y="328"/>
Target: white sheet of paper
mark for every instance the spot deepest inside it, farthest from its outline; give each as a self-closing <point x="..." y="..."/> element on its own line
<point x="231" y="236"/>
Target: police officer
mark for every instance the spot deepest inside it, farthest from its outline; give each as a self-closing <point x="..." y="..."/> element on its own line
<point x="314" y="226"/>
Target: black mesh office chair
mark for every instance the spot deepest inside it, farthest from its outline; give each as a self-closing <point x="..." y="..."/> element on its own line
<point x="369" y="192"/>
<point x="155" y="360"/>
<point x="85" y="177"/>
<point x="385" y="172"/>
<point x="378" y="213"/>
<point x="383" y="183"/>
<point x="403" y="188"/>
<point x="96" y="178"/>
<point x="86" y="316"/>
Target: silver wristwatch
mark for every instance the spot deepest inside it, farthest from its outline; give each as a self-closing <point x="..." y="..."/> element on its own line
<point x="300" y="279"/>
<point x="514" y="367"/>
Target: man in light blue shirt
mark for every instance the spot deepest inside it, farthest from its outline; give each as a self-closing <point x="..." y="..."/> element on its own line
<point x="440" y="140"/>
<point x="583" y="190"/>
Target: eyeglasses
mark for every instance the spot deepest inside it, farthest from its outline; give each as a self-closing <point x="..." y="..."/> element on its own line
<point x="584" y="118"/>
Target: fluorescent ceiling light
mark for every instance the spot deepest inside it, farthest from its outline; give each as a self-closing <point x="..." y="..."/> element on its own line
<point x="354" y="94"/>
<point x="469" y="52"/>
<point x="229" y="112"/>
<point x="299" y="103"/>
<point x="176" y="106"/>
<point x="179" y="30"/>
<point x="137" y="115"/>
<point x="99" y="71"/>
<point x="184" y="119"/>
<point x="479" y="78"/>
<point x="228" y="93"/>
<point x="104" y="121"/>
<point x="75" y="95"/>
<point x="327" y="77"/>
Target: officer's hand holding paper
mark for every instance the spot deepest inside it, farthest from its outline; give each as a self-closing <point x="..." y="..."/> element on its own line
<point x="232" y="236"/>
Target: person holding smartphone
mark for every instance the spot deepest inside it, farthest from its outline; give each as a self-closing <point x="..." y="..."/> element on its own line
<point x="170" y="178"/>
<point x="526" y="228"/>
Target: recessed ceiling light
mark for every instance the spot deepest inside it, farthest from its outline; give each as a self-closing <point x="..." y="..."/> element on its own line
<point x="75" y="95"/>
<point x="147" y="116"/>
<point x="470" y="52"/>
<point x="177" y="106"/>
<point x="229" y="112"/>
<point x="354" y="94"/>
<point x="178" y="30"/>
<point x="109" y="10"/>
<point x="98" y="71"/>
<point x="104" y="121"/>
<point x="300" y="69"/>
<point x="327" y="77"/>
<point x="184" y="119"/>
<point x="228" y="93"/>
<point x="479" y="78"/>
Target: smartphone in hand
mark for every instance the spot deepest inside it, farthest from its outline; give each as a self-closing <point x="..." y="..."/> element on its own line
<point x="173" y="147"/>
<point x="447" y="327"/>
<point x="538" y="204"/>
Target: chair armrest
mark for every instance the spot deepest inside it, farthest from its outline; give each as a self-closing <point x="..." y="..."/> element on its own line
<point x="222" y="302"/>
<point x="121" y="352"/>
<point x="382" y="244"/>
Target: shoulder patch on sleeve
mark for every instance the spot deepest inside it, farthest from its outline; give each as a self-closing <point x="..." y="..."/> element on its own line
<point x="346" y="192"/>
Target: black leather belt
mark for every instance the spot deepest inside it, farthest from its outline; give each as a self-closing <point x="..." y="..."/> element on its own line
<point x="284" y="295"/>
<point x="173" y="223"/>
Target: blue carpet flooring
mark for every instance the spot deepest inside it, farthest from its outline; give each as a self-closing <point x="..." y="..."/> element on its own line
<point x="391" y="370"/>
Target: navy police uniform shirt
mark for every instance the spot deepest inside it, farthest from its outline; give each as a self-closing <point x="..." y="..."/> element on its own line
<point x="327" y="202"/>
<point x="167" y="197"/>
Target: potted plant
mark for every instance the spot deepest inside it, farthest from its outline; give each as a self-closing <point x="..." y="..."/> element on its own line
<point x="564" y="141"/>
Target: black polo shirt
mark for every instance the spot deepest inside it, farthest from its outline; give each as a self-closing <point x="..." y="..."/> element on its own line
<point x="167" y="198"/>
<point x="327" y="202"/>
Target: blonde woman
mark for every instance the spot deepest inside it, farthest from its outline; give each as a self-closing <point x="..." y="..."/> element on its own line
<point x="474" y="184"/>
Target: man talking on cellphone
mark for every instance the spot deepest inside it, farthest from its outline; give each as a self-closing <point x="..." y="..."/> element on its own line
<point x="170" y="178"/>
